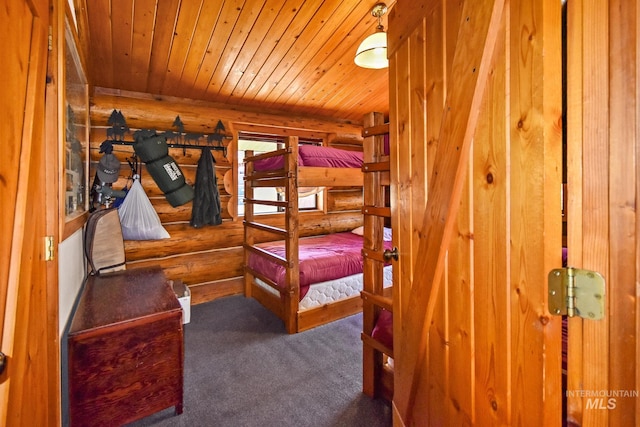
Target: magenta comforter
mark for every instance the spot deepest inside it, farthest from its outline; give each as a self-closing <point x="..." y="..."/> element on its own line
<point x="322" y="258"/>
<point x="313" y="155"/>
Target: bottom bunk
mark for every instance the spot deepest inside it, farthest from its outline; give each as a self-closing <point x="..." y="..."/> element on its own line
<point x="328" y="284"/>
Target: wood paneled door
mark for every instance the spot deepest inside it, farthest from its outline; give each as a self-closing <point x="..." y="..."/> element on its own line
<point x="476" y="131"/>
<point x="26" y="386"/>
<point x="603" y="171"/>
<point x="476" y="122"/>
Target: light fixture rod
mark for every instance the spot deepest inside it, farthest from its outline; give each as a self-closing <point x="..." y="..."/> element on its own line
<point x="379" y="9"/>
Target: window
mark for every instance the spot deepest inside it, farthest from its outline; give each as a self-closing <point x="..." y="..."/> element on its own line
<point x="261" y="144"/>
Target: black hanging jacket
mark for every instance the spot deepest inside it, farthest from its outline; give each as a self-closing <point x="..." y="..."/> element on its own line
<point x="206" y="203"/>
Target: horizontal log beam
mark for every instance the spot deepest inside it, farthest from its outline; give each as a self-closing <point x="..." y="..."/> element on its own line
<point x="209" y="291"/>
<point x="349" y="200"/>
<point x="199" y="267"/>
<point x="145" y="111"/>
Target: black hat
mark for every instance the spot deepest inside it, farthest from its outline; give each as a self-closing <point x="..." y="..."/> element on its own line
<point x="108" y="168"/>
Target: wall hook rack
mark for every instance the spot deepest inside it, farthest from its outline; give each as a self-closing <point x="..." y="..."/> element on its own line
<point x="175" y="139"/>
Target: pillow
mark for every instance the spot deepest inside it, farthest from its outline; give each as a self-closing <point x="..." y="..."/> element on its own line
<point x="386" y="233"/>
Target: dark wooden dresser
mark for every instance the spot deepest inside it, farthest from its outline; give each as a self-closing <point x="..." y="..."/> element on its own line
<point x="126" y="349"/>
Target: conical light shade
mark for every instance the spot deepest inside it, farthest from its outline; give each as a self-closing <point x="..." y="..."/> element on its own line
<point x="372" y="52"/>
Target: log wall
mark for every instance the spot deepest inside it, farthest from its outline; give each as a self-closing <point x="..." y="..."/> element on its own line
<point x="210" y="259"/>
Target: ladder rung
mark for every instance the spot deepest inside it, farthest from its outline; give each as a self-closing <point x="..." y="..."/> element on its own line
<point x="267" y="155"/>
<point x="278" y="203"/>
<point x="374" y="210"/>
<point x="270" y="174"/>
<point x="268" y="228"/>
<point x="372" y="342"/>
<point x="378" y="300"/>
<point x="376" y="166"/>
<point x="261" y="252"/>
<point x="264" y="278"/>
<point x="374" y="255"/>
<point x="268" y="183"/>
<point x="376" y="130"/>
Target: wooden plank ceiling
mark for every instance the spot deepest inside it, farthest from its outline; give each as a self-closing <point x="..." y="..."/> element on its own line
<point x="289" y="56"/>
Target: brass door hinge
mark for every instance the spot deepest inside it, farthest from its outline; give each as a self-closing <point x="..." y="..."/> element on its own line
<point x="49" y="250"/>
<point x="576" y="292"/>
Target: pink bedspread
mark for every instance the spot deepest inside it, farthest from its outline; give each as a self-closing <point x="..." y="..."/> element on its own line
<point x="322" y="258"/>
<point x="313" y="155"/>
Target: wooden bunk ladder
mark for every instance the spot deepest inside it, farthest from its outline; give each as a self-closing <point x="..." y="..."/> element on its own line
<point x="377" y="375"/>
<point x="285" y="178"/>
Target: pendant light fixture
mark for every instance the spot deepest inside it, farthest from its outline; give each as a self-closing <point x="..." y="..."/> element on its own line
<point x="372" y="52"/>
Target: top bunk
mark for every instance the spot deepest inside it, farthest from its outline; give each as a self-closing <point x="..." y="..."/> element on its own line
<point x="309" y="165"/>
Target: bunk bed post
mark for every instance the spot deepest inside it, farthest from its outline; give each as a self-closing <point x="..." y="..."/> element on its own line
<point x="249" y="237"/>
<point x="292" y="296"/>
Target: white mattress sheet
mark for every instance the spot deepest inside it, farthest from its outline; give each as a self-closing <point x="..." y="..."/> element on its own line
<point x="330" y="291"/>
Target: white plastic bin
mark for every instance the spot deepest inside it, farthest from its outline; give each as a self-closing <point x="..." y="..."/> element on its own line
<point x="184" y="296"/>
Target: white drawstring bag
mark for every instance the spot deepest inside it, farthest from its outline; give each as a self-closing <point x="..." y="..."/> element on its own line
<point x="138" y="218"/>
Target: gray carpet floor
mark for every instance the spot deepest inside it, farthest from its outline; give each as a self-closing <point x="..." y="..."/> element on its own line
<point x="243" y="369"/>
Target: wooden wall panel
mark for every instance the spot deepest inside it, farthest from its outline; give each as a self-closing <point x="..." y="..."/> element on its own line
<point x="624" y="158"/>
<point x="404" y="192"/>
<point x="535" y="234"/>
<point x="428" y="68"/>
<point x="490" y="181"/>
<point x="492" y="353"/>
<point x="459" y="281"/>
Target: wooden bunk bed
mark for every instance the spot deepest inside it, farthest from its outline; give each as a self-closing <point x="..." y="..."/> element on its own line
<point x="288" y="171"/>
<point x="377" y="338"/>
